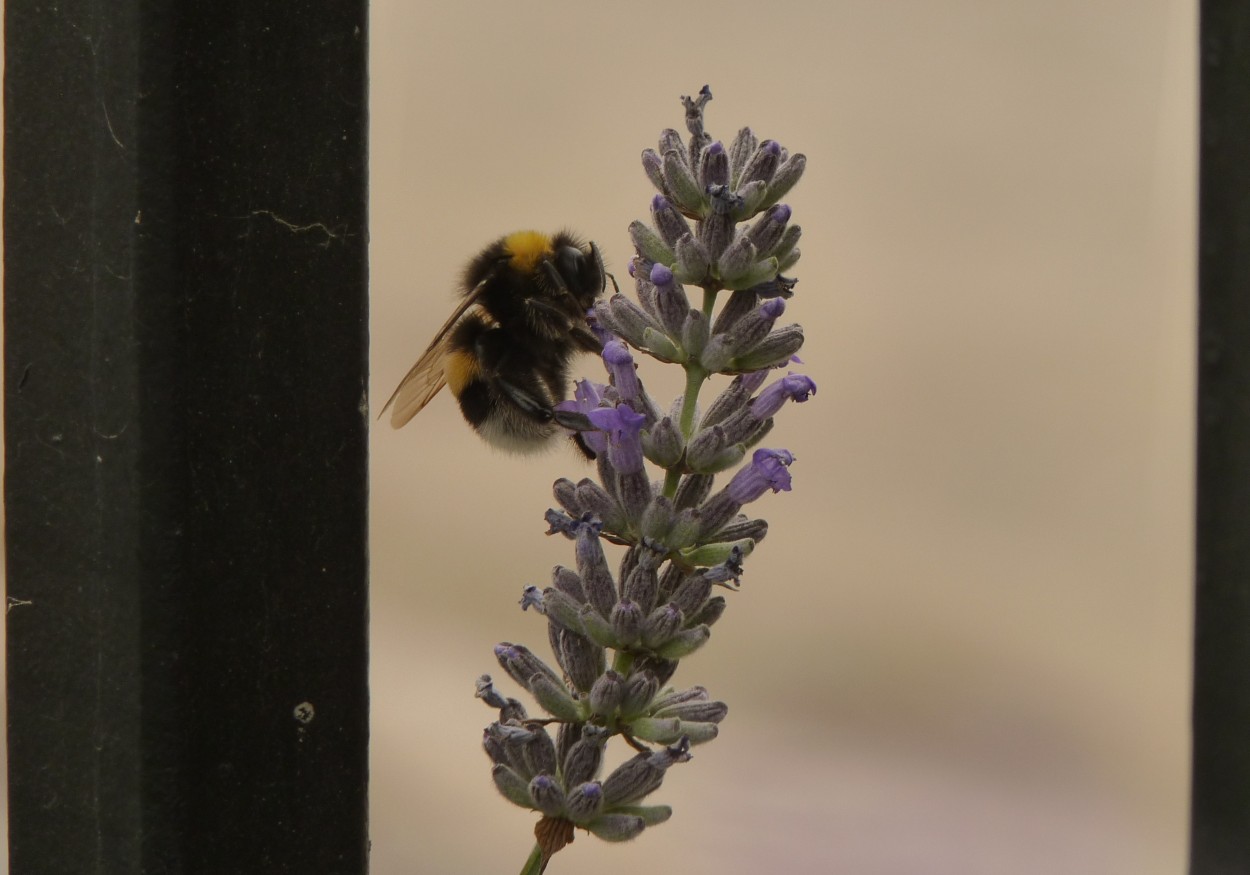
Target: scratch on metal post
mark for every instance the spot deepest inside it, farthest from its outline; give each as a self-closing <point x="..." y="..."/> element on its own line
<point x="297" y="229"/>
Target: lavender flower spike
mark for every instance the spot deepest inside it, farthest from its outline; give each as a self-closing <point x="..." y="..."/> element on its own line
<point x="620" y="626"/>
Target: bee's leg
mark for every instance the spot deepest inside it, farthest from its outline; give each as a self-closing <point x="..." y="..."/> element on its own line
<point x="586" y="340"/>
<point x="540" y="412"/>
<point x="548" y="312"/>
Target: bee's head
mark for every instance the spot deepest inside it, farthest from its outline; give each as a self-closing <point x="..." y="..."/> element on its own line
<point x="580" y="269"/>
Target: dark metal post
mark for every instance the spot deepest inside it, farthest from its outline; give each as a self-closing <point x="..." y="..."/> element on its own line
<point x="1220" y="821"/>
<point x="185" y="424"/>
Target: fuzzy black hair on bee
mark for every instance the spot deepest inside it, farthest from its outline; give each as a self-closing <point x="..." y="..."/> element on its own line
<point x="505" y="351"/>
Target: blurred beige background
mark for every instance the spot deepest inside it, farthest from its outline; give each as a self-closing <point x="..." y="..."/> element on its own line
<point x="964" y="647"/>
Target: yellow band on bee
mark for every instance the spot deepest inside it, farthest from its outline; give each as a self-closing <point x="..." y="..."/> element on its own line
<point x="527" y="248"/>
<point x="459" y="368"/>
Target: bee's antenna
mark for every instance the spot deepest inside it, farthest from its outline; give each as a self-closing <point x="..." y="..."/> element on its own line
<point x="614" y="285"/>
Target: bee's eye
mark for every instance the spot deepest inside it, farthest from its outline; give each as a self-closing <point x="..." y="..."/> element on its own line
<point x="581" y="271"/>
<point x="570" y="263"/>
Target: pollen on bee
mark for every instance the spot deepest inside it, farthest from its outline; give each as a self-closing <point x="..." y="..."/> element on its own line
<point x="527" y="248"/>
<point x="460" y="369"/>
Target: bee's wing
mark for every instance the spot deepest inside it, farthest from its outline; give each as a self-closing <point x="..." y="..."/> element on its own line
<point x="424" y="380"/>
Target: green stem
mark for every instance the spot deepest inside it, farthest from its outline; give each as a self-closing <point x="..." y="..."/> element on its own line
<point x="534" y="865"/>
<point x="709" y="301"/>
<point x="695" y="376"/>
<point x="622" y="663"/>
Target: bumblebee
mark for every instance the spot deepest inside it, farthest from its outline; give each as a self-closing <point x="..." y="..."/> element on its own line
<point x="505" y="350"/>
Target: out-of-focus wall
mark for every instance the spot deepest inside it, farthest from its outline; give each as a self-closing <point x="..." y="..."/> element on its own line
<point x="964" y="646"/>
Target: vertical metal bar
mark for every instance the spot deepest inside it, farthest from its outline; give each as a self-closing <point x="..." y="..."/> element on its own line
<point x="185" y="372"/>
<point x="1220" y="818"/>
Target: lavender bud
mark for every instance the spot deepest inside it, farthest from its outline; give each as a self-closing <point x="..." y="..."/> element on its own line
<point x="739" y="256"/>
<point x="751" y="197"/>
<point x="683" y="190"/>
<point x="711" y="451"/>
<point x="621" y="368"/>
<point x="714" y="166"/>
<point x="709" y="613"/>
<point x="773" y="351"/>
<point x="670" y="141"/>
<point x="640" y="689"/>
<point x="592" y="567"/>
<point x="660" y="625"/>
<point x="716" y="231"/>
<point x="546" y="795"/>
<point x="554" y="698"/>
<point x="596" y="501"/>
<point x="626" y="622"/>
<point x="649" y="243"/>
<point x="651" y="814"/>
<point x="707" y="555"/>
<point x="635" y="490"/>
<point x="698" y="733"/>
<point x="734" y="397"/>
<point x="584" y="802"/>
<point x="642" y="774"/>
<point x="739" y="303"/>
<point x="626" y="318"/>
<point x="717" y="354"/>
<point x="785" y="178"/>
<point x="659" y="346"/>
<point x="740" y="151"/>
<point x="584" y="759"/>
<point x="741" y="527"/>
<point x="567" y="582"/>
<point x="512" y="786"/>
<point x="656" y="520"/>
<point x="640" y="589"/>
<point x="695" y="332"/>
<point x="597" y="627"/>
<point x="684" y="643"/>
<point x="540" y="753"/>
<point x="617" y="827"/>
<point x="671" y="302"/>
<point x="692" y="593"/>
<point x="762" y="165"/>
<point x="654" y="167"/>
<point x="582" y="659"/>
<point x="768" y="230"/>
<point x="632" y="780"/>
<point x="563" y="610"/>
<point x="606" y="694"/>
<point x="693" y="260"/>
<point x="694" y="488"/>
<point x="659" y="730"/>
<point x="786" y="245"/>
<point x="669" y="222"/>
<point x="671" y="697"/>
<point x="752" y="275"/>
<point x="565" y="495"/>
<point x="685" y="529"/>
<point x="522" y="665"/>
<point x="663" y="444"/>
<point x="778" y="287"/>
<point x="755" y="325"/>
<point x="787" y="261"/>
<point x="698" y="711"/>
